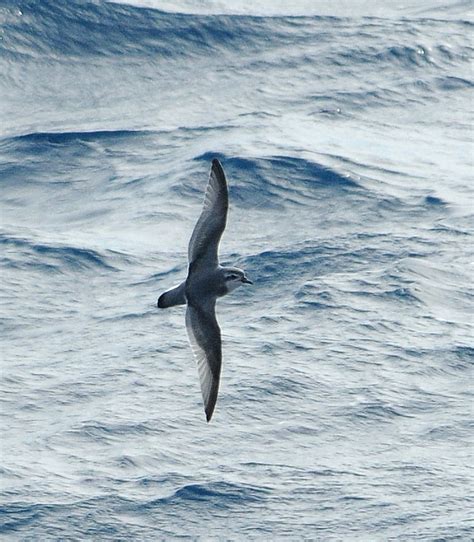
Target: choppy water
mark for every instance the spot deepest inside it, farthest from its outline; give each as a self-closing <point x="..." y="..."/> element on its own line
<point x="344" y="411"/>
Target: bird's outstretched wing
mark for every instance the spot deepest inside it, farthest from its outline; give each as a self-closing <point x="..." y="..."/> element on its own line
<point x="211" y="224"/>
<point x="205" y="338"/>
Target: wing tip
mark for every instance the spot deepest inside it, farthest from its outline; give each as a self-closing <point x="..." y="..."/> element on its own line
<point x="209" y="410"/>
<point x="217" y="168"/>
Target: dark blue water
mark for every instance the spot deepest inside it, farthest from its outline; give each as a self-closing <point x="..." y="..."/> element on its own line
<point x="346" y="395"/>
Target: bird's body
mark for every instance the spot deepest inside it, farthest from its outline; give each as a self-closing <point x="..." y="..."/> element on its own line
<point x="206" y="281"/>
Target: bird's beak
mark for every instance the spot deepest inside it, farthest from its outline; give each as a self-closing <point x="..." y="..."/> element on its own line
<point x="245" y="280"/>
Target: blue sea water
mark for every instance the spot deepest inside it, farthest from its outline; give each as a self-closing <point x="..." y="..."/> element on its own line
<point x="345" y="409"/>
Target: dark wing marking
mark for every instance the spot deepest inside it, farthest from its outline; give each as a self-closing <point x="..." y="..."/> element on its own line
<point x="211" y="224"/>
<point x="205" y="338"/>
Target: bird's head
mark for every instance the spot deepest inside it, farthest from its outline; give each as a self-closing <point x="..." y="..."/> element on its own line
<point x="234" y="277"/>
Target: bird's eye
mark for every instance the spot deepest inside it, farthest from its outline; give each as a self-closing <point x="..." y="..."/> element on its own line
<point x="232" y="277"/>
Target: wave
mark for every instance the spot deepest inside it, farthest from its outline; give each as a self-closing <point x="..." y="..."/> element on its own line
<point x="278" y="180"/>
<point x="18" y="516"/>
<point x="377" y="411"/>
<point x="103" y="432"/>
<point x="406" y="55"/>
<point x="318" y="257"/>
<point x="62" y="28"/>
<point x="450" y="83"/>
<point x="218" y="494"/>
<point x="50" y="519"/>
<point x="53" y="257"/>
<point x="57" y="28"/>
<point x="46" y="518"/>
<point x="57" y="138"/>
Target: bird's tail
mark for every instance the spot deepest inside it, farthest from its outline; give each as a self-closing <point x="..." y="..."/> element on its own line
<point x="172" y="297"/>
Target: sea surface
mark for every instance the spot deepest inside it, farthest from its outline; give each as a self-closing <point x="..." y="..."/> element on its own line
<point x="345" y="407"/>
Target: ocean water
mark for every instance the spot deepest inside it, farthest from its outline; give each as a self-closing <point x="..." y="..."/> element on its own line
<point x="345" y="408"/>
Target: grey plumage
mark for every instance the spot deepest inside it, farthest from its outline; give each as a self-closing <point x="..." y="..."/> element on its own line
<point x="206" y="281"/>
<point x="173" y="297"/>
